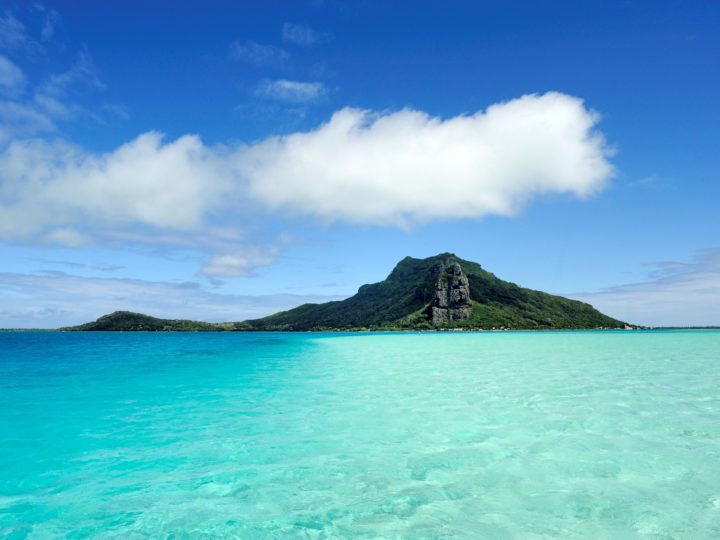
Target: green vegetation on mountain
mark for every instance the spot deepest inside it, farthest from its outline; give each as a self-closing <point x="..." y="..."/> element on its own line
<point x="405" y="300"/>
<point x="442" y="292"/>
<point x="127" y="321"/>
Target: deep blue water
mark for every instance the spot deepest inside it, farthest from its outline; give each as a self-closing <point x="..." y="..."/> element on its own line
<point x="447" y="435"/>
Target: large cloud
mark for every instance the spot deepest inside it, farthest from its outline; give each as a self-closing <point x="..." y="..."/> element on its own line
<point x="46" y="185"/>
<point x="406" y="166"/>
<point x="380" y="168"/>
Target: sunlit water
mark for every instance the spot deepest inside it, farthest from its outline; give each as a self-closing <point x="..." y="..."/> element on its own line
<point x="482" y="435"/>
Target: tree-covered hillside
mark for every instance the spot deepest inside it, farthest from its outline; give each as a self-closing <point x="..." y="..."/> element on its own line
<point x="127" y="321"/>
<point x="440" y="292"/>
<point x="404" y="299"/>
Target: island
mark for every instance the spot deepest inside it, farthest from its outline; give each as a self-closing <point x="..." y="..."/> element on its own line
<point x="443" y="292"/>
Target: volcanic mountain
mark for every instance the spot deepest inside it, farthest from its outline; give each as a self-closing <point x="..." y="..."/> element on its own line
<point x="443" y="292"/>
<point x="440" y="292"/>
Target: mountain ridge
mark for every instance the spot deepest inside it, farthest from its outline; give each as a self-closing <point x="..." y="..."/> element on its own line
<point x="443" y="292"/>
<point x="405" y="301"/>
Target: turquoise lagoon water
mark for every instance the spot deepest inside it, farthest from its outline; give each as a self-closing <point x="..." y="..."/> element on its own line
<point x="437" y="435"/>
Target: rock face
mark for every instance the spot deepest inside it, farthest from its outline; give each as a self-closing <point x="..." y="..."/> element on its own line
<point x="451" y="300"/>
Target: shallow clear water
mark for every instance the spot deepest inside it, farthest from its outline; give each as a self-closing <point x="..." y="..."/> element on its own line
<point x="472" y="435"/>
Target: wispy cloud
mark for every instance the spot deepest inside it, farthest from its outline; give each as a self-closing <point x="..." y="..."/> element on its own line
<point x="12" y="79"/>
<point x="54" y="95"/>
<point x="210" y="237"/>
<point x="49" y="300"/>
<point x="241" y="263"/>
<point x="19" y="120"/>
<point x="677" y="294"/>
<point x="299" y="34"/>
<point x="77" y="265"/>
<point x="258" y="54"/>
<point x="38" y="106"/>
<point x="277" y="116"/>
<point x="291" y="91"/>
<point x="50" y="24"/>
<point x="67" y="237"/>
<point x="36" y="109"/>
<point x="115" y="110"/>
<point x="14" y="36"/>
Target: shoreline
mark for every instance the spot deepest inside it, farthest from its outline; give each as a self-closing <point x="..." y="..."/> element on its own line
<point x="360" y="330"/>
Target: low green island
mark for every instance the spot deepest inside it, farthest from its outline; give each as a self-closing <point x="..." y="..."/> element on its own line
<point x="443" y="292"/>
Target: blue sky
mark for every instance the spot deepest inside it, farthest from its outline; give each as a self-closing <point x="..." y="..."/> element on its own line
<point x="226" y="160"/>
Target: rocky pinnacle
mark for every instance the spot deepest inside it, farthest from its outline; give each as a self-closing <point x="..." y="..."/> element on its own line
<point x="451" y="300"/>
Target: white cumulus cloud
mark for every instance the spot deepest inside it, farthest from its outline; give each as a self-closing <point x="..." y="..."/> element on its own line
<point x="146" y="181"/>
<point x="393" y="168"/>
<point x="406" y="166"/>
